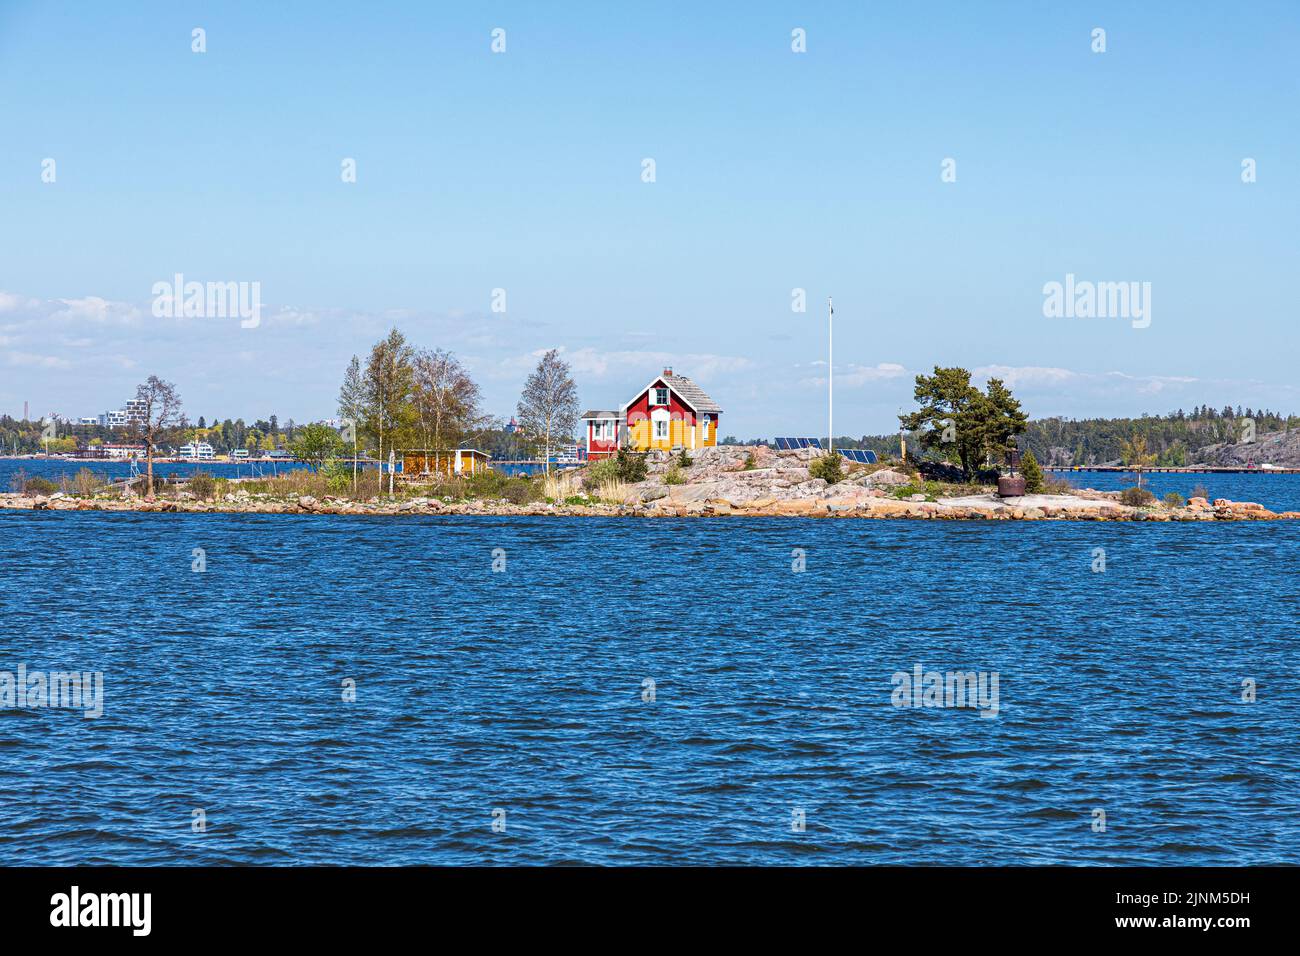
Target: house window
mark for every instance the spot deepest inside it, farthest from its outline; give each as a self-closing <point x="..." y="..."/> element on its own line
<point x="704" y="423"/>
<point x="661" y="396"/>
<point x="661" y="428"/>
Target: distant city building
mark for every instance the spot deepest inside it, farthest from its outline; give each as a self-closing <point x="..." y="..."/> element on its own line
<point x="239" y="453"/>
<point x="135" y="411"/>
<point x="199" y="451"/>
<point x="122" y="450"/>
<point x="132" y="414"/>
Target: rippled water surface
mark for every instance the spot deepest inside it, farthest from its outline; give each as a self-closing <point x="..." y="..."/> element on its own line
<point x="522" y="691"/>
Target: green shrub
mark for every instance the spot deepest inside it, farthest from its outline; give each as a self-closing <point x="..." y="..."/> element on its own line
<point x="674" y="476"/>
<point x="1175" y="500"/>
<point x="202" y="484"/>
<point x="599" y="472"/>
<point x="632" y="466"/>
<point x="750" y="463"/>
<point x="1032" y="473"/>
<point x="827" y="467"/>
<point x="522" y="491"/>
<point x="684" y="459"/>
<point x="933" y="490"/>
<point x="488" y="483"/>
<point x="39" y="486"/>
<point x="1136" y="497"/>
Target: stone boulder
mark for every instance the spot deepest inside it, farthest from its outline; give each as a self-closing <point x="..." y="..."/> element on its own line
<point x="885" y="478"/>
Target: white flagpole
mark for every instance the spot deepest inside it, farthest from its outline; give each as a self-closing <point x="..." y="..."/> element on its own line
<point x="830" y="376"/>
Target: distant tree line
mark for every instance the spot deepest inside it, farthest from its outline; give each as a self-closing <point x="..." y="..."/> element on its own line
<point x="1172" y="440"/>
<point x="26" y="437"/>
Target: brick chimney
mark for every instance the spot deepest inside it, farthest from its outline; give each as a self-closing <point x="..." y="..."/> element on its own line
<point x="668" y="371"/>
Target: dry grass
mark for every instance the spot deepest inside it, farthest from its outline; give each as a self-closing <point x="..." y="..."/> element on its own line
<point x="561" y="485"/>
<point x="613" y="491"/>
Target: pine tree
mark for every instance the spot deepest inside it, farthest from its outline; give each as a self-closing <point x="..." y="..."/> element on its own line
<point x="1032" y="474"/>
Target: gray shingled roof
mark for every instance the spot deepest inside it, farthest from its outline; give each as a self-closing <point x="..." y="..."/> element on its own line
<point x="694" y="395"/>
<point x="599" y="414"/>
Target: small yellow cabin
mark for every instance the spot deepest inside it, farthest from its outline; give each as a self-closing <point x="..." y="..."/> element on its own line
<point x="452" y="462"/>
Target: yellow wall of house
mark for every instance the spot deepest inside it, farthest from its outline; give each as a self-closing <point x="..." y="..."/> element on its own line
<point x="641" y="436"/>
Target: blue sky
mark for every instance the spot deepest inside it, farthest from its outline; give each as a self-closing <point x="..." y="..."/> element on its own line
<point x="774" y="171"/>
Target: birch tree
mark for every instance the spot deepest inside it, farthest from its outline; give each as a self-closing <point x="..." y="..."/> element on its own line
<point x="352" y="406"/>
<point x="548" y="409"/>
<point x="386" y="390"/>
<point x="446" y="401"/>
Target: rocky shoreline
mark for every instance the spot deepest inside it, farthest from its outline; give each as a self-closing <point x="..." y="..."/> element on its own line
<point x="1030" y="508"/>
<point x="982" y="508"/>
<point x="744" y="481"/>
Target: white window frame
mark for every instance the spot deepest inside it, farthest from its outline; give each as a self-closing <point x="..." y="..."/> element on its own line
<point x="660" y="401"/>
<point x="664" y="424"/>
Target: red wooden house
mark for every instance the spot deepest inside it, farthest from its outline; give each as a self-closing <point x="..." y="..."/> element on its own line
<point x="671" y="412"/>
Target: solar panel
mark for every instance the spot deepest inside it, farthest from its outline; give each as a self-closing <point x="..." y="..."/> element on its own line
<point x="863" y="455"/>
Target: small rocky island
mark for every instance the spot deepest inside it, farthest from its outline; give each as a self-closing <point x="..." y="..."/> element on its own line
<point x="749" y="481"/>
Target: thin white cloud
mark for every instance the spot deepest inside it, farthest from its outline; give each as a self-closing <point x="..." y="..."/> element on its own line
<point x="31" y="360"/>
<point x="853" y="375"/>
<point x="93" y="309"/>
<point x="636" y="364"/>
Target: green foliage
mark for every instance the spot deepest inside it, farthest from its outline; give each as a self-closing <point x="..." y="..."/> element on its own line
<point x="1174" y="438"/>
<point x="1033" y="474"/>
<point x="1175" y="500"/>
<point x="632" y="466"/>
<point x="750" y="463"/>
<point x="674" y="476"/>
<point x="1136" y="497"/>
<point x="39" y="486"/>
<point x="316" y="444"/>
<point x="202" y="484"/>
<point x="959" y="422"/>
<point x="684" y="459"/>
<point x="599" y="472"/>
<point x="337" y="475"/>
<point x="827" y="467"/>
